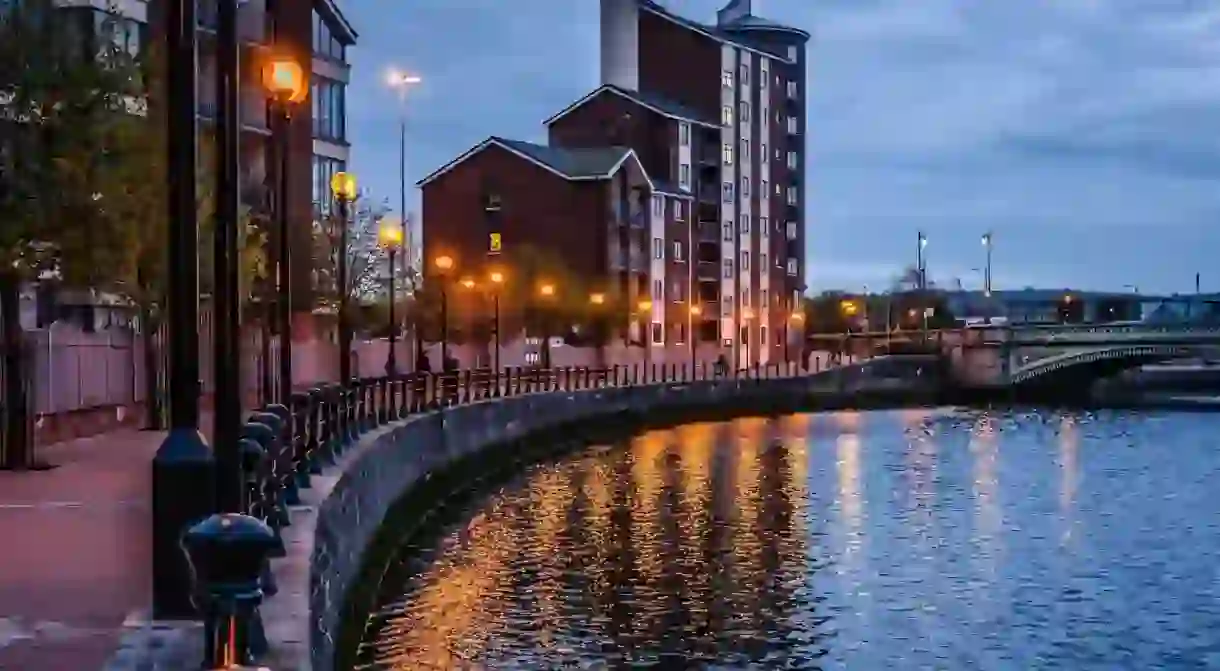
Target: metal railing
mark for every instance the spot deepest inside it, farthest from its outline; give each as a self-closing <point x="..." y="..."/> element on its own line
<point x="284" y="446"/>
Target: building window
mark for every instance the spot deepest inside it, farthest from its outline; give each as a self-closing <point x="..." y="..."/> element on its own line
<point x="745" y="149"/>
<point x="728" y="232"/>
<point x="745" y="187"/>
<point x="677" y="250"/>
<point x="745" y="74"/>
<point x="684" y="175"/>
<point x="763" y="187"/>
<point x="728" y="192"/>
<point x="792" y="230"/>
<point x="763" y="117"/>
<point x="792" y="160"/>
<point x="658" y="333"/>
<point x="679" y="209"/>
<point x="680" y="338"/>
<point x="778" y="191"/>
<point x="658" y="248"/>
<point x="792" y="52"/>
<point x="324" y="169"/>
<point x="792" y="195"/>
<point x="728" y="269"/>
<point x="763" y="294"/>
<point x="745" y="111"/>
<point x="762" y="223"/>
<point x="792" y="266"/>
<point x="658" y="290"/>
<point x="726" y="115"/>
<point x="762" y="265"/>
<point x="763" y="149"/>
<point x="762" y="335"/>
<point x="792" y="125"/>
<point x="745" y="265"/>
<point x="792" y="89"/>
<point x="726" y="78"/>
<point x="531" y="358"/>
<point x="762" y="77"/>
<point x="727" y="154"/>
<point x="324" y="43"/>
<point x="745" y="223"/>
<point x="675" y="291"/>
<point x="745" y="298"/>
<point x="658" y="206"/>
<point x="683" y="134"/>
<point x="329" y="109"/>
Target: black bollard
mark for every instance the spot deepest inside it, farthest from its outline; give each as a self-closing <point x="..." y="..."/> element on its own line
<point x="285" y="457"/>
<point x="228" y="554"/>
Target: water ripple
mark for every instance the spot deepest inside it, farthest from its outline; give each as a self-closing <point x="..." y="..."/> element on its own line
<point x="914" y="540"/>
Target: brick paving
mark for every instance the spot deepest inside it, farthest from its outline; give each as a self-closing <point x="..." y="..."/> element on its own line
<point x="75" y="553"/>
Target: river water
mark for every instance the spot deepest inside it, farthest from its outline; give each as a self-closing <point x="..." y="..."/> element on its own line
<point x="946" y="539"/>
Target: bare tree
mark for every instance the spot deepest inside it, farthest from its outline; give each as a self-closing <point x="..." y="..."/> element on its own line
<point x="368" y="266"/>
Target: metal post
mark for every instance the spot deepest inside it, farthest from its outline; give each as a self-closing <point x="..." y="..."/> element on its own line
<point x="283" y="119"/>
<point x="391" y="359"/>
<point x="183" y="469"/>
<point x="226" y="268"/>
<point x="495" y="327"/>
<point x="345" y="331"/>
<point x="444" y="324"/>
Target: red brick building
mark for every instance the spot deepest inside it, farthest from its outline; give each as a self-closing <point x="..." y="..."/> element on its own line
<point x="679" y="180"/>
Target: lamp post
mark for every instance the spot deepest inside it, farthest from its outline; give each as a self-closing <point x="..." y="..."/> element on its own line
<point x="285" y="84"/>
<point x="987" y="243"/>
<point x="401" y="81"/>
<point x="497" y="280"/>
<point x="746" y="315"/>
<point x="444" y="264"/>
<point x="343" y="187"/>
<point x="799" y="318"/>
<point x="645" y="310"/>
<point x="547" y="291"/>
<point x="390" y="238"/>
<point x="695" y="311"/>
<point x="184" y="466"/>
<point x="922" y="267"/>
<point x="226" y="315"/>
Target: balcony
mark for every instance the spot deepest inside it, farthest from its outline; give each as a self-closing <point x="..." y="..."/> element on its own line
<point x="709" y="156"/>
<point x="708" y="271"/>
<point x="709" y="231"/>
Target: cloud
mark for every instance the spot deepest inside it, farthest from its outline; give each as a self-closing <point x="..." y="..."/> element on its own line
<point x="1083" y="133"/>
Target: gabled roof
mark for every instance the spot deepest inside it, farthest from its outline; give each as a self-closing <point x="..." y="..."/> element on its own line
<point x="716" y="33"/>
<point x="669" y="189"/>
<point x="336" y="21"/>
<point x="751" y="22"/>
<point x="572" y="164"/>
<point x="658" y="104"/>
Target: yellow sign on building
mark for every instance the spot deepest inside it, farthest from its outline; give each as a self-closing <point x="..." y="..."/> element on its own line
<point x="495" y="243"/>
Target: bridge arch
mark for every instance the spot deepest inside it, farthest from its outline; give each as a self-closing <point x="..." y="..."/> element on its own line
<point x="1074" y="370"/>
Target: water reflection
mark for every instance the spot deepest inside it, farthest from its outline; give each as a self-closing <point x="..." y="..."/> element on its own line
<point x="841" y="541"/>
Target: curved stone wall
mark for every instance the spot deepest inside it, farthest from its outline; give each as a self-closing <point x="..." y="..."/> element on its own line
<point x="341" y="514"/>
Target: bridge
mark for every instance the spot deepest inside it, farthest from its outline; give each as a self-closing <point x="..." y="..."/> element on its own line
<point x="1072" y="356"/>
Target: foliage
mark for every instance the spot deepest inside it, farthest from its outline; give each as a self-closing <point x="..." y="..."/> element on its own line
<point x="65" y="114"/>
<point x="368" y="272"/>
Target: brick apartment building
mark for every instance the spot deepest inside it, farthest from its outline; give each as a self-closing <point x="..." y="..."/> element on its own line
<point x="318" y="33"/>
<point x="679" y="180"/>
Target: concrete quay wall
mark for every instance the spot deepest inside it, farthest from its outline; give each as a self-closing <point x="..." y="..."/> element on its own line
<point x="350" y="518"/>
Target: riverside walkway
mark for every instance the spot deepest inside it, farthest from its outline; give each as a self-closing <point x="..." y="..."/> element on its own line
<point x="75" y="583"/>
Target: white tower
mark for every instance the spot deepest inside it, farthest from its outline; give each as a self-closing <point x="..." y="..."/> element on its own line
<point x="620" y="32"/>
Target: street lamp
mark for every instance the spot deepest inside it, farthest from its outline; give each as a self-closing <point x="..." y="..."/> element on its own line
<point x="987" y="243"/>
<point x="284" y="81"/>
<point x="922" y="263"/>
<point x="794" y="317"/>
<point x="746" y="315"/>
<point x="444" y="264"/>
<point x="390" y="238"/>
<point x="645" y="309"/>
<point x="547" y="291"/>
<point x="497" y="280"/>
<point x="401" y="81"/>
<point x="343" y="187"/>
<point x="695" y="311"/>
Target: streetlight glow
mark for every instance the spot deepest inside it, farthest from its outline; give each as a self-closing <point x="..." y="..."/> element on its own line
<point x="467" y="282"/>
<point x="389" y="234"/>
<point x="343" y="186"/>
<point x="444" y="262"/>
<point x="496" y="277"/>
<point x="285" y="80"/>
<point x="644" y="305"/>
<point x="696" y="310"/>
<point x="597" y="299"/>
<point x="399" y="79"/>
<point x="547" y="289"/>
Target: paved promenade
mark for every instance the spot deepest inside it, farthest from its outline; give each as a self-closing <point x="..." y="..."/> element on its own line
<point x="76" y="553"/>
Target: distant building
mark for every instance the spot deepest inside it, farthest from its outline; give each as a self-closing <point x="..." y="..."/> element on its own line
<point x="679" y="180"/>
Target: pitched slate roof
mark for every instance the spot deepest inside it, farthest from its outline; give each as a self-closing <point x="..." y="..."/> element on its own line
<point x="726" y="33"/>
<point x="575" y="163"/>
<point x="659" y="104"/>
